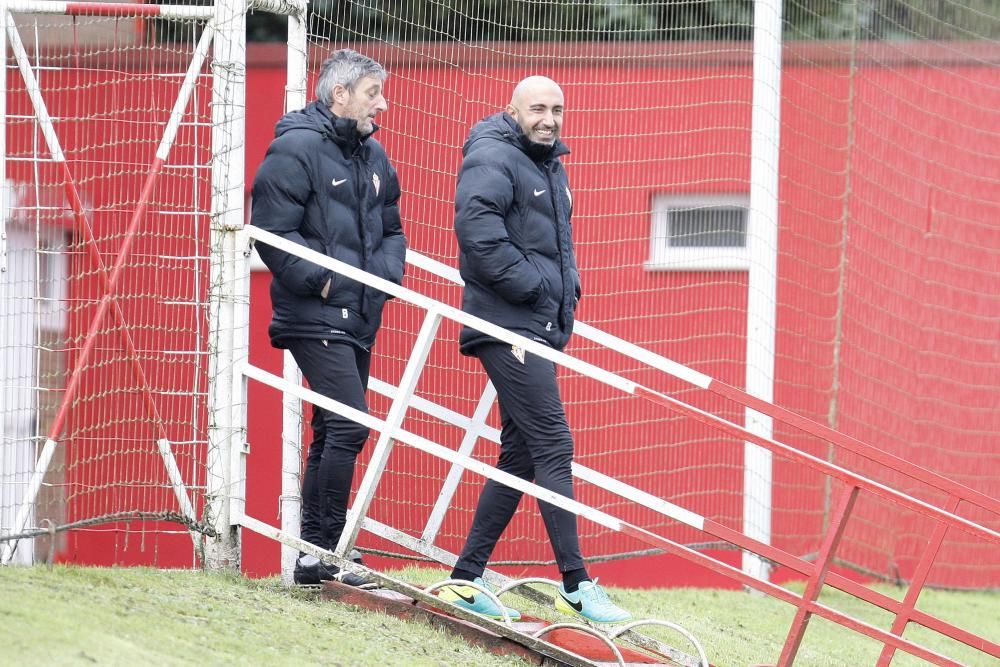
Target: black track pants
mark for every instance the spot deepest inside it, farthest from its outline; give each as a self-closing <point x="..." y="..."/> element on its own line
<point x="337" y="370"/>
<point x="536" y="445"/>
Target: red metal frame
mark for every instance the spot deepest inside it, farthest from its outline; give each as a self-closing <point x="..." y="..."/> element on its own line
<point x="788" y="596"/>
<point x="108" y="279"/>
<point x="857" y="447"/>
<point x="111" y="9"/>
<point x="815" y="584"/>
<point x="919" y="577"/>
<point x="110" y="283"/>
<point x="902" y="609"/>
<point x="818" y="572"/>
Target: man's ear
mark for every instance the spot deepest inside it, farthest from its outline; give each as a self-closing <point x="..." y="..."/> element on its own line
<point x="340" y="94"/>
<point x="512" y="110"/>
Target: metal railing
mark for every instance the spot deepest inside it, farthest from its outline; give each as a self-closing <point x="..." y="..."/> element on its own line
<point x="817" y="573"/>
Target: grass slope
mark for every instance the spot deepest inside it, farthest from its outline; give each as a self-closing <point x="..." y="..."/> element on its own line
<point x="134" y="616"/>
<point x="76" y="616"/>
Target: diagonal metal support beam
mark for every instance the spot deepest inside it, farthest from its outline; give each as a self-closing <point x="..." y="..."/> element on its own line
<point x="476" y="428"/>
<point x="393" y="423"/>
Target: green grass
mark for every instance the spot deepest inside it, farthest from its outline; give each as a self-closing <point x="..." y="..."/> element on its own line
<point x="76" y="616"/>
<point x="135" y="616"/>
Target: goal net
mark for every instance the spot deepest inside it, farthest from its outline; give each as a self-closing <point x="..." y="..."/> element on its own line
<point x="866" y="309"/>
<point x="104" y="290"/>
<point x="887" y="194"/>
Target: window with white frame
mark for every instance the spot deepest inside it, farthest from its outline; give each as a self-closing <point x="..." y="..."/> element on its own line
<point x="699" y="232"/>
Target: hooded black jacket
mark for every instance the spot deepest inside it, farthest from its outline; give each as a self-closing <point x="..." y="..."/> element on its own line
<point x="324" y="186"/>
<point x="512" y="218"/>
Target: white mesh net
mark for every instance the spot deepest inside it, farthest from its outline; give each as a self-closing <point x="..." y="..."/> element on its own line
<point x="103" y="308"/>
<point x="886" y="234"/>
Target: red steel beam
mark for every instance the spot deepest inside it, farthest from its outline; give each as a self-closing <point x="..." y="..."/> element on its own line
<point x="825" y="467"/>
<point x="916" y="584"/>
<point x="786" y="595"/>
<point x="825" y="558"/>
<point x="856" y="446"/>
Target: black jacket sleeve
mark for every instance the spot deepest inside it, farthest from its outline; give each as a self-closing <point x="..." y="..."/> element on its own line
<point x="281" y="190"/>
<point x="484" y="195"/>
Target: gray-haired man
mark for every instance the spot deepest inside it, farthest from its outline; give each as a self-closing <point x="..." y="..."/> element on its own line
<point x="327" y="185"/>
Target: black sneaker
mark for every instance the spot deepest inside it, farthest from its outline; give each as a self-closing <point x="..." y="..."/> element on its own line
<point x="311" y="575"/>
<point x="350" y="578"/>
<point x="317" y="573"/>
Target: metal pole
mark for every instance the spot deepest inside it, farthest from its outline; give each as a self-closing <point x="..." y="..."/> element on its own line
<point x="224" y="479"/>
<point x="291" y="407"/>
<point x="290" y="503"/>
<point x="3" y="253"/>
<point x="4" y="14"/>
<point x="13" y="468"/>
<point x="762" y="240"/>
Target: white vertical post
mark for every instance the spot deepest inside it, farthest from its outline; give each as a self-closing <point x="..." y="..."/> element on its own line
<point x="17" y="448"/>
<point x="290" y="503"/>
<point x="762" y="238"/>
<point x="296" y="74"/>
<point x="4" y="493"/>
<point x="10" y="464"/>
<point x="239" y="448"/>
<point x="224" y="478"/>
<point x="393" y="421"/>
<point x="291" y="407"/>
<point x="3" y="143"/>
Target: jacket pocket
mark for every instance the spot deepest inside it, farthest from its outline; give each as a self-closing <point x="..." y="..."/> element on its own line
<point x="540" y="303"/>
<point x="343" y="290"/>
<point x="336" y="284"/>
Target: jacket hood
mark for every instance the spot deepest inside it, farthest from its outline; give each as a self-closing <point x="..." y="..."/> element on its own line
<point x="502" y="127"/>
<point x="317" y="117"/>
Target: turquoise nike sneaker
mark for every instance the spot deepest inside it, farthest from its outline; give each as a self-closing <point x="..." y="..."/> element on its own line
<point x="475" y="601"/>
<point x="591" y="603"/>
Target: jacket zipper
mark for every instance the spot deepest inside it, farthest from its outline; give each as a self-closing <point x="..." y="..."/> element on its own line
<point x="359" y="190"/>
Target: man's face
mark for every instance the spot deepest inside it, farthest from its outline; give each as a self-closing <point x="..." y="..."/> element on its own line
<point x="362" y="103"/>
<point x="539" y="111"/>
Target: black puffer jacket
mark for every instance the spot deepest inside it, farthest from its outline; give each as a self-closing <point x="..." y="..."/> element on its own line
<point x="512" y="218"/>
<point x="324" y="186"/>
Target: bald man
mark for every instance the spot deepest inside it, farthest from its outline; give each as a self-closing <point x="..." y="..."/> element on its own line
<point x="512" y="218"/>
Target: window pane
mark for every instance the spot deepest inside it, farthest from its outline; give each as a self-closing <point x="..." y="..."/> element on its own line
<point x="710" y="227"/>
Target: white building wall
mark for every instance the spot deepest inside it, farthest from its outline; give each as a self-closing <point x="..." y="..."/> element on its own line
<point x="18" y="377"/>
